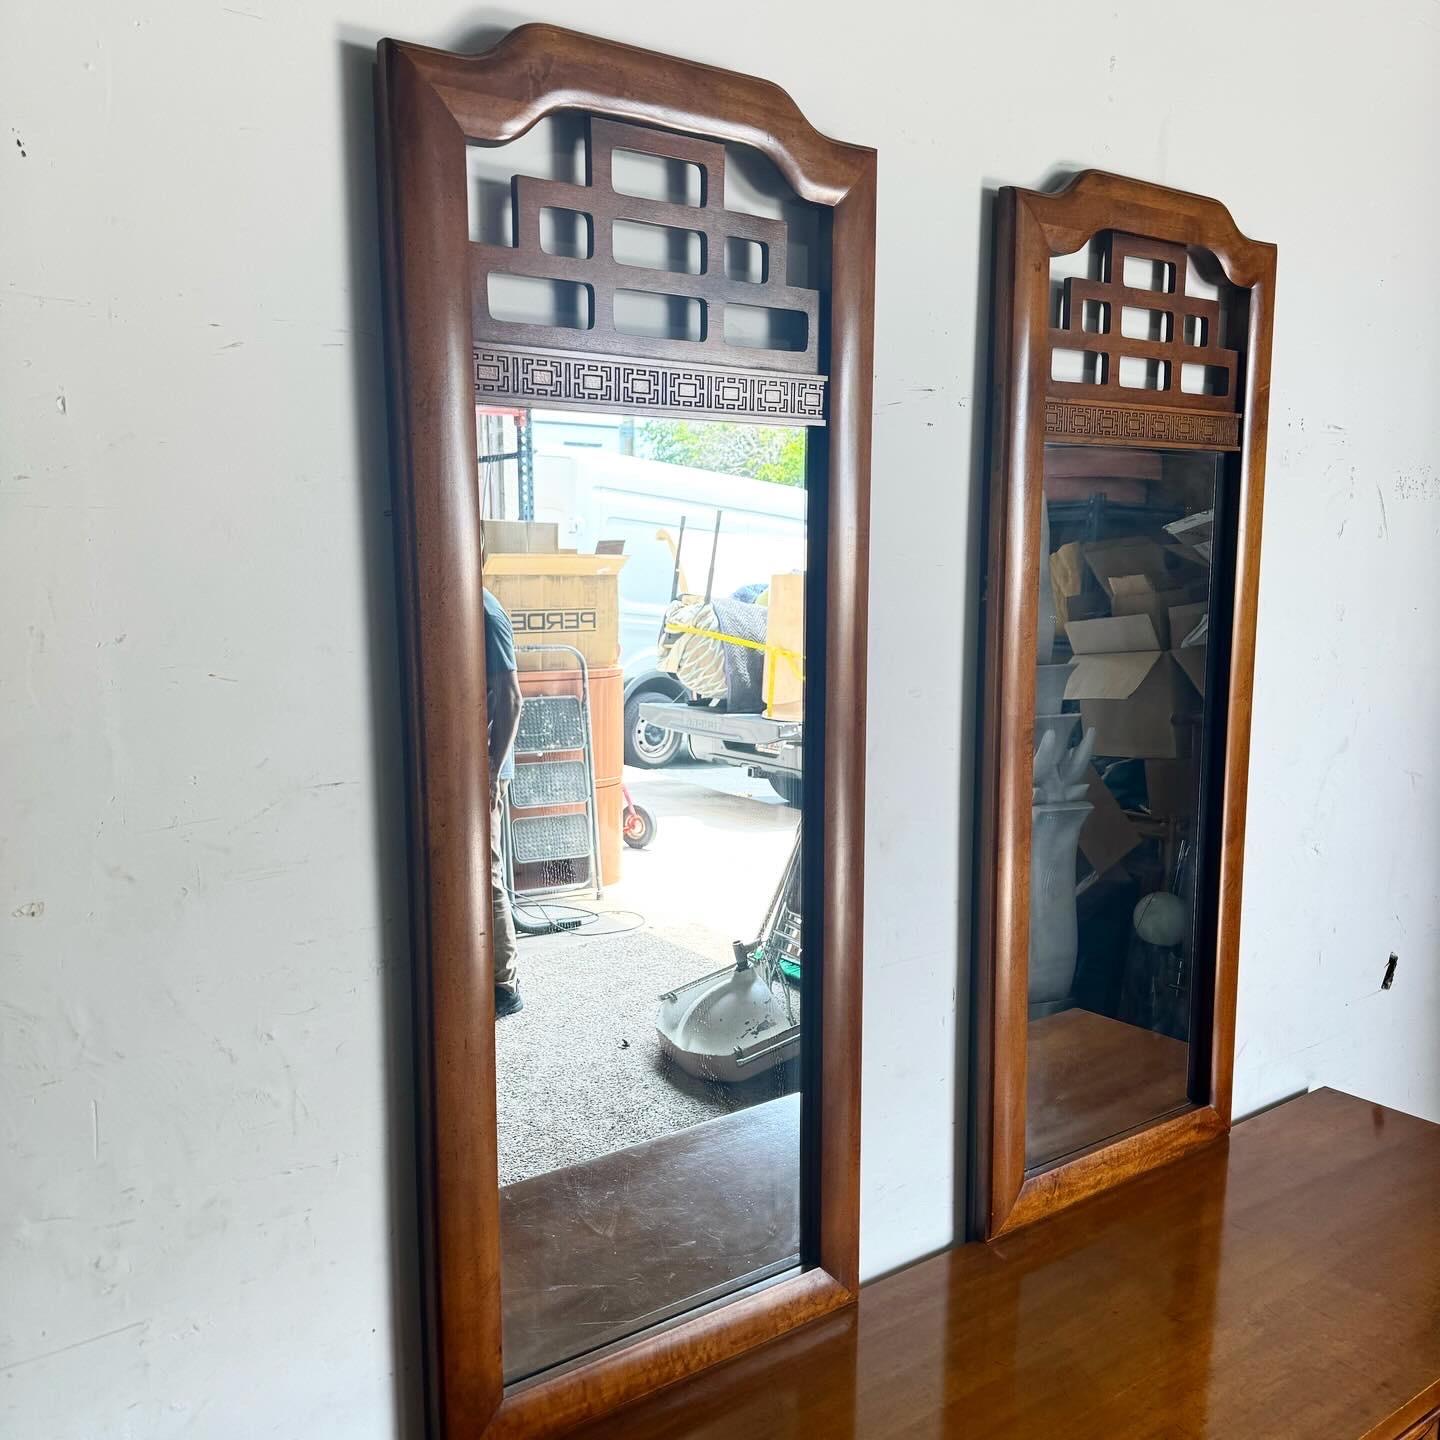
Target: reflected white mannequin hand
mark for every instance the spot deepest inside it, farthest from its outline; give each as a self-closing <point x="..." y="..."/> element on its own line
<point x="1059" y="775"/>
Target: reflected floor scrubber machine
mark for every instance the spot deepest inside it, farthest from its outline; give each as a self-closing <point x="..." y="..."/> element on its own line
<point x="743" y="1021"/>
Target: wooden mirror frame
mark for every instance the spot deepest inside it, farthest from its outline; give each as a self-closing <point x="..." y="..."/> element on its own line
<point x="1032" y="228"/>
<point x="430" y="103"/>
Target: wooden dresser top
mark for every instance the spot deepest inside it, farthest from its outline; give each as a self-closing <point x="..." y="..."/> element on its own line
<point x="1284" y="1282"/>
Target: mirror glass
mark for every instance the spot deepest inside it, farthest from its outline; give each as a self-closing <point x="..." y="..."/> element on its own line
<point x="651" y="572"/>
<point x="1131" y="571"/>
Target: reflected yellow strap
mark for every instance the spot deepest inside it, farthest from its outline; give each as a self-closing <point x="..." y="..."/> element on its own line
<point x="791" y="657"/>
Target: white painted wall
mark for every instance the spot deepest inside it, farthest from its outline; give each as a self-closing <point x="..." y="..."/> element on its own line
<point x="204" y="1196"/>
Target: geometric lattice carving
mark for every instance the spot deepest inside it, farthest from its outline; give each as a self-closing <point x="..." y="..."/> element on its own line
<point x="572" y="380"/>
<point x="712" y="288"/>
<point x="1091" y="322"/>
<point x="1103" y="423"/>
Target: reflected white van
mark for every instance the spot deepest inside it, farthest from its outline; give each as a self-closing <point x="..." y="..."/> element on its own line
<point x="593" y="493"/>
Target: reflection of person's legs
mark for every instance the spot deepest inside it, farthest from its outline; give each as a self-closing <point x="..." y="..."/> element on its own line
<point x="502" y="929"/>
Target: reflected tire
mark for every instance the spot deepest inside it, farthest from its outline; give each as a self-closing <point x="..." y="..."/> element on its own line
<point x="639" y="828"/>
<point x="648" y="747"/>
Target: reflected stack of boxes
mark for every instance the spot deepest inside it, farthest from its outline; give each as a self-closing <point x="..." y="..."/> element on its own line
<point x="1134" y="610"/>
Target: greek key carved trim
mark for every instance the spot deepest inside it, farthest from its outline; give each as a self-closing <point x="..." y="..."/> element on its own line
<point x="574" y="381"/>
<point x="1101" y="423"/>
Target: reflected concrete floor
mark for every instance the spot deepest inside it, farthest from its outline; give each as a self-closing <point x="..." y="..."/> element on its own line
<point x="630" y="1190"/>
<point x="580" y="1069"/>
<point x="722" y="842"/>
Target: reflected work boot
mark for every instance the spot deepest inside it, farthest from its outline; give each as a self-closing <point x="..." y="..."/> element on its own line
<point x="507" y="1000"/>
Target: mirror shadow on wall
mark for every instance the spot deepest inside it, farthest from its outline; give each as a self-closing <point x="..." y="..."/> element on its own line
<point x="653" y="571"/>
<point x="1128" y="693"/>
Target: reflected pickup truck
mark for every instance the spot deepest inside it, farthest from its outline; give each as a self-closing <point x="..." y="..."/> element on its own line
<point x="771" y="749"/>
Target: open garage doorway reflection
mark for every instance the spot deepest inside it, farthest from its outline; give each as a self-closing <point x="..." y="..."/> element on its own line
<point x="653" y="573"/>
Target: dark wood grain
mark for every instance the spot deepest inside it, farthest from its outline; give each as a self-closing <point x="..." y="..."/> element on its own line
<point x="1091" y="1079"/>
<point x="998" y="1010"/>
<point x="539" y="68"/>
<point x="1109" y="342"/>
<point x="603" y="275"/>
<point x="839" y="613"/>
<point x="1032" y="228"/>
<point x="423" y="208"/>
<point x="1280" y="1284"/>
<point x="430" y="104"/>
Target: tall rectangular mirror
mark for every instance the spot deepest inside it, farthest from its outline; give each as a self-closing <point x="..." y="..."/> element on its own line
<point x="647" y="560"/>
<point x="1126" y="711"/>
<point x="652" y="850"/>
<point x="631" y="371"/>
<point x="1132" y="333"/>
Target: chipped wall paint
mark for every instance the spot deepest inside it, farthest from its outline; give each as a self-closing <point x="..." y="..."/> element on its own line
<point x="204" y="1189"/>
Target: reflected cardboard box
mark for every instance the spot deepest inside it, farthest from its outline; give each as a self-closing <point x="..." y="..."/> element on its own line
<point x="1107" y="836"/>
<point x="1138" y="595"/>
<point x="1165" y="566"/>
<point x="1091" y="578"/>
<point x="520" y="537"/>
<point x="1067" y="583"/>
<point x="783" y="684"/>
<point x="1141" y="698"/>
<point x="1195" y="534"/>
<point x="554" y="597"/>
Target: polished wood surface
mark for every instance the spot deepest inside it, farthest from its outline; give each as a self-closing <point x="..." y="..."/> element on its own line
<point x="1090" y="1078"/>
<point x="1032" y="228"/>
<point x="428" y="104"/>
<point x="594" y="1253"/>
<point x="1092" y="1171"/>
<point x="423" y="212"/>
<point x="1281" y="1284"/>
<point x="538" y="68"/>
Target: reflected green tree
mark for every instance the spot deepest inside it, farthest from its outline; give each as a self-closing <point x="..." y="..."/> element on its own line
<point x="763" y="452"/>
